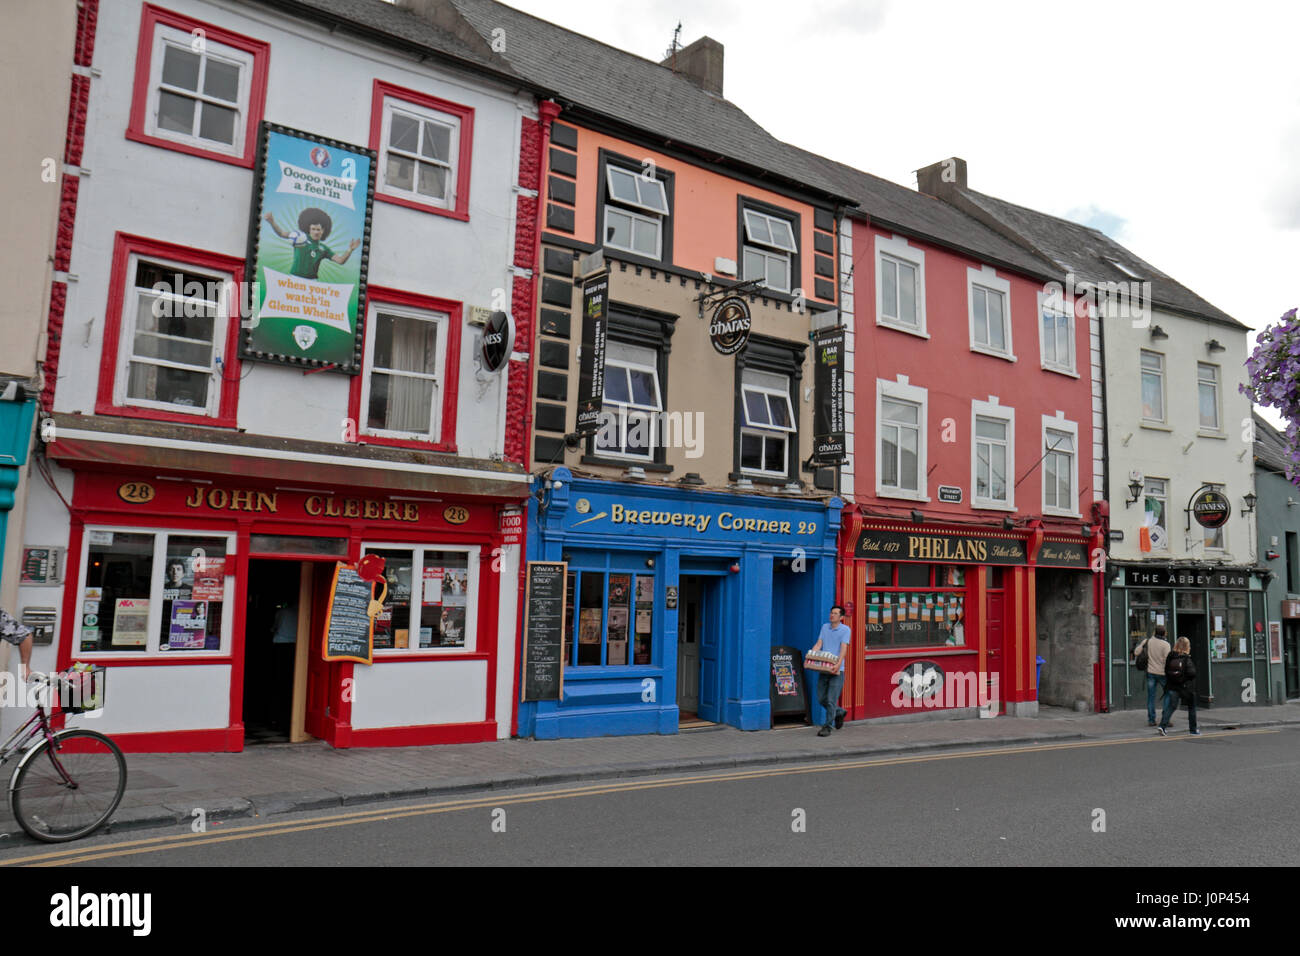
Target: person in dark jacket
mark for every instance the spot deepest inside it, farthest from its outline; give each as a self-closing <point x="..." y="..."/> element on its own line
<point x="1180" y="677"/>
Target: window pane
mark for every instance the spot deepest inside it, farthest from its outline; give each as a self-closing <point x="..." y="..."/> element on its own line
<point x="437" y="141"/>
<point x="755" y="265"/>
<point x="404" y="133"/>
<point x="774" y="454"/>
<point x="907" y="294"/>
<point x="778" y="273"/>
<point x="446" y="597"/>
<point x="895" y="411"/>
<point x="217" y="123"/>
<point x="981" y="469"/>
<point x="880" y="573"/>
<point x="646" y="238"/>
<point x="1064" y="341"/>
<point x="1049" y="472"/>
<point x="756" y="408"/>
<point x="643" y="625"/>
<point x="400" y="172"/>
<point x="889" y="288"/>
<point x="1060" y="441"/>
<point x="1153" y="405"/>
<point x="1049" y="339"/>
<point x="908" y="461"/>
<point x="401" y="404"/>
<point x="1209" y="406"/>
<point x="620" y="619"/>
<point x="758" y="228"/>
<point x="780" y="407"/>
<point x="751" y="451"/>
<point x="115" y="605"/>
<point x="782" y="235"/>
<point x="913" y="575"/>
<point x="889" y="456"/>
<point x="155" y="346"/>
<point x="175" y="113"/>
<point x="981" y="316"/>
<point x="991" y="428"/>
<point x="1065" y="495"/>
<point x="591" y="617"/>
<point x="623" y="185"/>
<point x="433" y="181"/>
<point x="174" y="386"/>
<point x="180" y="68"/>
<point x="651" y="192"/>
<point x="405" y="344"/>
<point x="616" y="384"/>
<point x="221" y="80"/>
<point x="643" y="388"/>
<point x="640" y="437"/>
<point x="194" y="582"/>
<point x="998" y="469"/>
<point x="1151" y="360"/>
<point x="393" y="625"/>
<point x="997" y="334"/>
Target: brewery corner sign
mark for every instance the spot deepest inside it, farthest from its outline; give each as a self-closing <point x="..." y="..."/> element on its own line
<point x="729" y="327"/>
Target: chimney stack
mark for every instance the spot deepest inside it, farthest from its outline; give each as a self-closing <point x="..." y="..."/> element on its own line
<point x="701" y="63"/>
<point x="942" y="179"/>
<point x="444" y="15"/>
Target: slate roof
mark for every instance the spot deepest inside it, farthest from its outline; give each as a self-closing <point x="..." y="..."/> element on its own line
<point x="1270" y="445"/>
<point x="1086" y="252"/>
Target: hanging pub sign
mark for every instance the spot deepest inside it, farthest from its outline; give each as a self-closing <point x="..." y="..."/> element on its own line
<point x="308" y="248"/>
<point x="879" y="545"/>
<point x="828" y="394"/>
<point x="1211" y="509"/>
<point x="729" y="327"/>
<point x="498" y="340"/>
<point x="591" y="368"/>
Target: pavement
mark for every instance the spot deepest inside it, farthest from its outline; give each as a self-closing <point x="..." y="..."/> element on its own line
<point x="165" y="789"/>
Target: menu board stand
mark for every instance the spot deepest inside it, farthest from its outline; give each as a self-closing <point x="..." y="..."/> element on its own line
<point x="349" y="628"/>
<point x="543" y="652"/>
<point x="787" y="684"/>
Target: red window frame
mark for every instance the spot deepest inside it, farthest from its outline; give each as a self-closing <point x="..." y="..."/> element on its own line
<point x="465" y="114"/>
<point x="124" y="246"/>
<point x="150" y="19"/>
<point x="451" y="374"/>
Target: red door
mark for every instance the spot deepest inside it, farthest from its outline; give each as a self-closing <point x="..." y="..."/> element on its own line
<point x="993" y="607"/>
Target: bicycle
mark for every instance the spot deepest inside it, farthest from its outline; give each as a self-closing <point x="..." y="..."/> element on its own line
<point x="67" y="785"/>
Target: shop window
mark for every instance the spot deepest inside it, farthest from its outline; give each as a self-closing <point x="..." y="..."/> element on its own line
<point x="1146" y="610"/>
<point x="424" y="145"/>
<point x="768" y="423"/>
<point x="900" y="285"/>
<point x="199" y="89"/>
<point x="432" y="599"/>
<point x="635" y="209"/>
<point x="1236" y="646"/>
<point x="880" y="573"/>
<point x="632" y="400"/>
<point x="170" y="330"/>
<point x="1153" y="387"/>
<point x="990" y="312"/>
<point x="901" y="440"/>
<point x="151" y="592"/>
<point x="615" y="619"/>
<point x="923" y="605"/>
<point x="768" y="249"/>
<point x="1207" y="386"/>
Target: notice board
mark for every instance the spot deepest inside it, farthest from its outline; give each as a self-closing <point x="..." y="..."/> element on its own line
<point x="787" y="683"/>
<point x="544" y="607"/>
<point x="349" y="628"/>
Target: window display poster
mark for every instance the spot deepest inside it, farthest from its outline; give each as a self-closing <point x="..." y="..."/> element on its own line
<point x="1275" y="642"/>
<point x="455" y="583"/>
<point x="589" y="625"/>
<point x="210" y="580"/>
<point x="131" y="622"/>
<point x="644" y="617"/>
<point x="433" y="578"/>
<point x="188" y="627"/>
<point x="1220" y="647"/>
<point x="451" y="625"/>
<point x="645" y="590"/>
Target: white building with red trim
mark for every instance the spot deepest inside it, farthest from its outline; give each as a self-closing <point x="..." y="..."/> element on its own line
<point x="203" y="497"/>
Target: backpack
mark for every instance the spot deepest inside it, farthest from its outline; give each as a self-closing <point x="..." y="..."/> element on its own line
<point x="1140" y="659"/>
<point x="1175" y="673"/>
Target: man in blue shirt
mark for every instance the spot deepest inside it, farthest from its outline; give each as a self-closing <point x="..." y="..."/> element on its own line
<point x="835" y="638"/>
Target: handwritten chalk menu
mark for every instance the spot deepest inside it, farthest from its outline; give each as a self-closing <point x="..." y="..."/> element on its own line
<point x="349" y="630"/>
<point x="543" y="675"/>
<point x="787" y="688"/>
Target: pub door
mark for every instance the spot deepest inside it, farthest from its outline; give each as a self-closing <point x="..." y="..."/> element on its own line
<point x="322" y="676"/>
<point x="994" y="617"/>
<point x="1193" y="627"/>
<point x="1291" y="658"/>
<point x="689" y="625"/>
<point x="275" y="632"/>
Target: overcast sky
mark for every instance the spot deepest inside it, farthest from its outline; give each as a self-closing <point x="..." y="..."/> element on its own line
<point x="1172" y="127"/>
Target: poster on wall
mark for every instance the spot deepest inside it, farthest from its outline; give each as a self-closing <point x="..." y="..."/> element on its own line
<point x="130" y="622"/>
<point x="308" y="249"/>
<point x="591" y="365"/>
<point x="829" y="447"/>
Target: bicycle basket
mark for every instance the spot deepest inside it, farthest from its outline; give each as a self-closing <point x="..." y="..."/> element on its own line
<point x="82" y="688"/>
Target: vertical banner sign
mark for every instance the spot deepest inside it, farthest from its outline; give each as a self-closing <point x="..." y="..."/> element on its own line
<point x="828" y="395"/>
<point x="544" y="599"/>
<point x="308" y="249"/>
<point x="591" y="370"/>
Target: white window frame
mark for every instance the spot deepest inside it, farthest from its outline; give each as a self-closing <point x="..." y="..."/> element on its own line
<point x="165" y="36"/>
<point x="778" y="386"/>
<point x="156" y="578"/>
<point x="988" y="279"/>
<point x="443" y="322"/>
<point x="1056" y="306"/>
<point x="1163" y="498"/>
<point x="1217" y="427"/>
<point x="902" y="391"/>
<point x="771" y="251"/>
<point x="637" y="211"/>
<point x="991" y="409"/>
<point x="422" y="114"/>
<point x="637" y="358"/>
<point x="898" y="249"/>
<point x="417" y="597"/>
<point x="1164" y="400"/>
<point x="1060" y="423"/>
<point x="126" y="342"/>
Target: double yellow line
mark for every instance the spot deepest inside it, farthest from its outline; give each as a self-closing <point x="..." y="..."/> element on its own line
<point x="179" y="841"/>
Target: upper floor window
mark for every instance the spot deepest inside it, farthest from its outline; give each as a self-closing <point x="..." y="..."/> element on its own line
<point x="632" y="401"/>
<point x="1056" y="332"/>
<point x="990" y="312"/>
<point x="1207" y="386"/>
<point x="636" y="204"/>
<point x="768" y="423"/>
<point x="900" y="285"/>
<point x="199" y="89"/>
<point x="425" y="146"/>
<point x="769" y="248"/>
<point x="993" y="455"/>
<point x="900" y="443"/>
<point x="1155" y="512"/>
<point x="1153" y="386"/>
<point x="1060" y="466"/>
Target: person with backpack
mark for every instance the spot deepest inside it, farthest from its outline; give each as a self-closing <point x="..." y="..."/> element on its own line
<point x="1180" y="674"/>
<point x="1150" y="656"/>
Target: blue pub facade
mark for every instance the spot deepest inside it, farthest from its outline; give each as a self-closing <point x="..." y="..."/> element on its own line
<point x="675" y="598"/>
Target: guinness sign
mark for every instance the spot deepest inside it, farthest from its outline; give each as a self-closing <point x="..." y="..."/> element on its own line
<point x="729" y="327"/>
<point x="1211" y="509"/>
<point x="498" y="340"/>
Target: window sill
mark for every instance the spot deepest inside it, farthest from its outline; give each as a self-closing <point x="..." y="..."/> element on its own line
<point x="978" y="504"/>
<point x="423" y="445"/>
<point x="1071" y="373"/>
<point x="1155" y="426"/>
<point x="921" y="650"/>
<point x="1060" y="513"/>
<point x="903" y="495"/>
<point x="1005" y="356"/>
<point x="654" y="466"/>
<point x="1221" y="436"/>
<point x="387" y="655"/>
<point x="245" y="160"/>
<point x="460" y="214"/>
<point x="759" y="479"/>
<point x="920" y="332"/>
<point x="157" y="415"/>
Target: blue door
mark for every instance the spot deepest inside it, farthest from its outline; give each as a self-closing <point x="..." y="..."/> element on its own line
<point x="709" y="608"/>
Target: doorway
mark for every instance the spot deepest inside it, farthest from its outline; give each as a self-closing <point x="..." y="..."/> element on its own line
<point x="1193" y="627"/>
<point x="1291" y="660"/>
<point x="690" y="623"/>
<point x="274" y="629"/>
<point x="994" y="605"/>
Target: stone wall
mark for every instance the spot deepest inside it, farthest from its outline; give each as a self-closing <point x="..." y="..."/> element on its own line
<point x="1067" y="637"/>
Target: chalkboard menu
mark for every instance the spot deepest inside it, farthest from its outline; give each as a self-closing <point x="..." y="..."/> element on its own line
<point x="349" y="629"/>
<point x="543" y="671"/>
<point x="787" y="692"/>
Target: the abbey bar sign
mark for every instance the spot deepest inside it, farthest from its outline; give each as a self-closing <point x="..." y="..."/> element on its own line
<point x="1226" y="578"/>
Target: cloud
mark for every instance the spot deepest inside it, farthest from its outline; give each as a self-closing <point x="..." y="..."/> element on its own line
<point x="1093" y="216"/>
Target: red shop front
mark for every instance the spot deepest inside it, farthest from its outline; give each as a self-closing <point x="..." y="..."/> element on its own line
<point x="206" y="598"/>
<point x="944" y="617"/>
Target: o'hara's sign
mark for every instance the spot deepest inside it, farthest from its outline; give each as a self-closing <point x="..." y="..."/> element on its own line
<point x="921" y="546"/>
<point x="729" y="327"/>
<point x="626" y="518"/>
<point x="1227" y="578"/>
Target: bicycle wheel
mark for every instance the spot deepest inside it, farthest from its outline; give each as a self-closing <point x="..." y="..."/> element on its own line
<point x="55" y="809"/>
